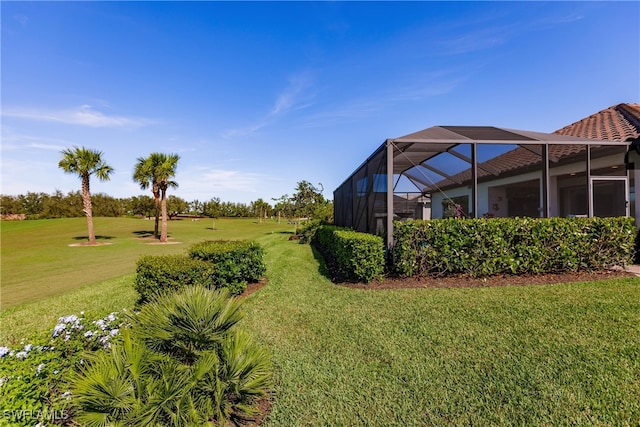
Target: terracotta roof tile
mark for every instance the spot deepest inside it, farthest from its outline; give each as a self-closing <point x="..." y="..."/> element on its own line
<point x="617" y="123"/>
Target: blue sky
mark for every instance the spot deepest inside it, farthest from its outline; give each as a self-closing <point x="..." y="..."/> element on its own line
<point x="256" y="96"/>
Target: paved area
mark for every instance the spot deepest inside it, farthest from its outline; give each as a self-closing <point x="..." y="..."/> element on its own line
<point x="634" y="268"/>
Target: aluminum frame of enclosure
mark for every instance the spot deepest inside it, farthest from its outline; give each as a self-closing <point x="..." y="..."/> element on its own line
<point x="365" y="201"/>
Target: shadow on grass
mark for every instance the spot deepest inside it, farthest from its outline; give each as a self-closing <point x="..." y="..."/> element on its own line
<point x="97" y="237"/>
<point x="284" y="232"/>
<point x="143" y="233"/>
<point x="322" y="264"/>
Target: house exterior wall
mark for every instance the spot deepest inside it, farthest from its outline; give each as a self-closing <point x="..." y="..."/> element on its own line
<point x="491" y="194"/>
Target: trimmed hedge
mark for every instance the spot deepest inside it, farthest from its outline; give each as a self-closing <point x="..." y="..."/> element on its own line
<point x="237" y="262"/>
<point x="160" y="275"/>
<point x="485" y="247"/>
<point x="212" y="264"/>
<point x="359" y="256"/>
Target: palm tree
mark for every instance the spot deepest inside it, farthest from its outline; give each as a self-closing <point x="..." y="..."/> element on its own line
<point x="84" y="163"/>
<point x="183" y="362"/>
<point x="156" y="172"/>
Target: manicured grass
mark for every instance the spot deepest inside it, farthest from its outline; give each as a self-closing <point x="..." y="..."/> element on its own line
<point x="539" y="355"/>
<point x="38" y="261"/>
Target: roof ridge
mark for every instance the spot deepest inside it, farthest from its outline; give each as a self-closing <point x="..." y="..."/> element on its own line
<point x="633" y="117"/>
<point x="620" y="122"/>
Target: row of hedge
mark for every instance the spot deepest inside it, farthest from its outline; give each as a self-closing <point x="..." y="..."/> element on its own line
<point x="213" y="264"/>
<point x="485" y="247"/>
<point x="358" y="256"/>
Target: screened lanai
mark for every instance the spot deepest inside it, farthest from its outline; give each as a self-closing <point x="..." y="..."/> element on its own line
<point x="482" y="171"/>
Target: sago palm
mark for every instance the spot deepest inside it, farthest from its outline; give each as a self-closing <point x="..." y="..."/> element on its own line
<point x="186" y="323"/>
<point x="157" y="171"/>
<point x="84" y="163"/>
<point x="244" y="375"/>
<point x="132" y="386"/>
<point x="185" y="363"/>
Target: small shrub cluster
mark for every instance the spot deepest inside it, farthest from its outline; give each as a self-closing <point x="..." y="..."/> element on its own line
<point x="237" y="262"/>
<point x="359" y="256"/>
<point x="34" y="376"/>
<point x="212" y="264"/>
<point x="309" y="229"/>
<point x="168" y="273"/>
<point x="183" y="362"/>
<point x="484" y="247"/>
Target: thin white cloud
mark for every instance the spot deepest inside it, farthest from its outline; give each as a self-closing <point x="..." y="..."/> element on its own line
<point x="21" y="19"/>
<point x="474" y="41"/>
<point x="231" y="180"/>
<point x="422" y="85"/>
<point x="229" y="184"/>
<point x="85" y="115"/>
<point x="296" y="96"/>
<point x="347" y="112"/>
<point x="13" y="142"/>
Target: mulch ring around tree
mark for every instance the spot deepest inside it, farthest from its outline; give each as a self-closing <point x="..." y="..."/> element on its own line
<point x="91" y="244"/>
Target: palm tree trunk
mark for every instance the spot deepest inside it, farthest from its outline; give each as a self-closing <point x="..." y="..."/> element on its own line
<point x="87" y="208"/>
<point x="163" y="236"/>
<point x="156" y="235"/>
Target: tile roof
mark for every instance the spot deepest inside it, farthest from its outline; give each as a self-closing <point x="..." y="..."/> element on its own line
<point x="617" y="123"/>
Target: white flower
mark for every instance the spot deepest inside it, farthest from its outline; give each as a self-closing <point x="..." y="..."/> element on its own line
<point x="39" y="368"/>
<point x="22" y="355"/>
<point x="4" y="351"/>
<point x="111" y="317"/>
<point x="59" y="328"/>
<point x="68" y="319"/>
<point x="113" y="332"/>
<point x="67" y="394"/>
<point x="88" y="334"/>
<point x="28" y="347"/>
<point x="100" y="323"/>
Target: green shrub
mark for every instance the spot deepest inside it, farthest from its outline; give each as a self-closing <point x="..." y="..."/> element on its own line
<point x="158" y="275"/>
<point x="183" y="362"/>
<point x="359" y="256"/>
<point x="34" y="377"/>
<point x="237" y="262"/>
<point x="484" y="247"/>
<point x="309" y="229"/>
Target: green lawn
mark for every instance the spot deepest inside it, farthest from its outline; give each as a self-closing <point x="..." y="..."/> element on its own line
<point x="38" y="261"/>
<point x="538" y="355"/>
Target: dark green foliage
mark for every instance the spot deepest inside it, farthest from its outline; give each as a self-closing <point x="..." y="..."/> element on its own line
<point x="359" y="256"/>
<point x="484" y="247"/>
<point x="309" y="229"/>
<point x="183" y="363"/>
<point x="34" y="377"/>
<point x="159" y="275"/>
<point x="237" y="262"/>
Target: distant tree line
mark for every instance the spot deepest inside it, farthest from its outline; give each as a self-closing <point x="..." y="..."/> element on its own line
<point x="306" y="202"/>
<point x="155" y="172"/>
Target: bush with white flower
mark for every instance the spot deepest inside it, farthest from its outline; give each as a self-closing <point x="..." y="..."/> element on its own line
<point x="33" y="376"/>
